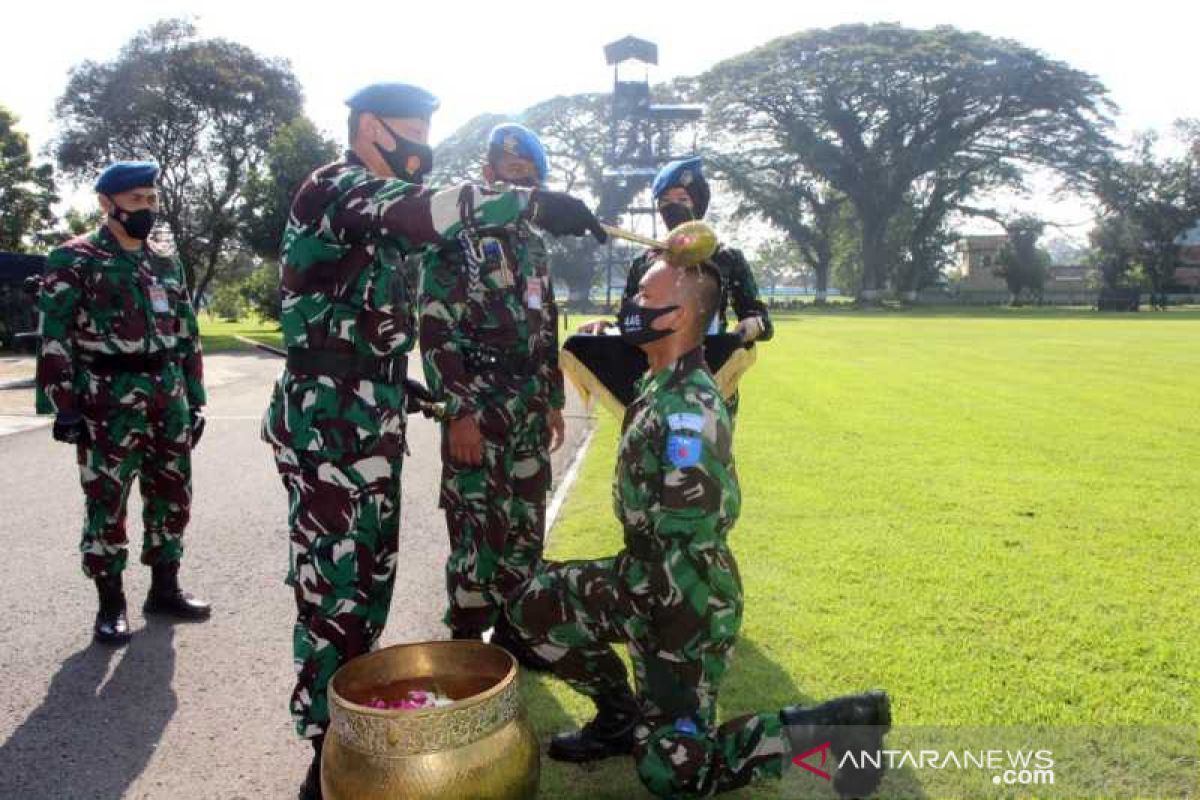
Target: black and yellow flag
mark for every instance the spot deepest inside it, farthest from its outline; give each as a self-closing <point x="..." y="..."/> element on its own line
<point x="607" y="368"/>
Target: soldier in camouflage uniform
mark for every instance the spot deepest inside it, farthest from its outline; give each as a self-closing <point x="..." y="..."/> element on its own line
<point x="489" y="343"/>
<point x="673" y="593"/>
<point x="119" y="367"/>
<point x="681" y="194"/>
<point x="337" y="414"/>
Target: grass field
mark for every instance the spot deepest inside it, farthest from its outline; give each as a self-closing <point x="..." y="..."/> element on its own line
<point x="995" y="515"/>
<point x="217" y="334"/>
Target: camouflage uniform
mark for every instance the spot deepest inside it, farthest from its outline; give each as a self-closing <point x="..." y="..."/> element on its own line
<point x="738" y="288"/>
<point x="489" y="343"/>
<point x="672" y="594"/>
<point x="339" y="438"/>
<point x="120" y="346"/>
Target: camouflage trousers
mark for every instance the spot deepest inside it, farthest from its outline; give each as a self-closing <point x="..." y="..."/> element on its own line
<point x="344" y="526"/>
<point x="496" y="520"/>
<point x="679" y="618"/>
<point x="149" y="441"/>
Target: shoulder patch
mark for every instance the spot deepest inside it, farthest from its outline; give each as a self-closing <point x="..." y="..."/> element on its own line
<point x="684" y="450"/>
<point x="686" y="422"/>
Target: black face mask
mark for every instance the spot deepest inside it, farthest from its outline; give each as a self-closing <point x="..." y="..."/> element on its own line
<point x="675" y="214"/>
<point x="635" y="323"/>
<point x="397" y="160"/>
<point x="137" y="224"/>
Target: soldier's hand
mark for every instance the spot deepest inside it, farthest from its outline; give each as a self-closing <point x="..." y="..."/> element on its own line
<point x="70" y="428"/>
<point x="197" y="426"/>
<point x="561" y="214"/>
<point x="749" y="329"/>
<point x="595" y="327"/>
<point x="558" y="429"/>
<point x="466" y="442"/>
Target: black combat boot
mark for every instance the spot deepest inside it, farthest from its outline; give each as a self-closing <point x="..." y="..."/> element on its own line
<point x="609" y="734"/>
<point x="111" y="625"/>
<point x="504" y="635"/>
<point x="165" y="596"/>
<point x="466" y="634"/>
<point x="311" y="788"/>
<point x="853" y="724"/>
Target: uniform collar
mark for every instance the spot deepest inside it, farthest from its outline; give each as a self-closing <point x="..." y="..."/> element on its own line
<point x="108" y="242"/>
<point x="673" y="372"/>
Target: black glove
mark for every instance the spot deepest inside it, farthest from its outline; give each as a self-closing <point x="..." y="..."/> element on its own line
<point x="70" y="428"/>
<point x="561" y="214"/>
<point x="197" y="426"/>
<point x="416" y="395"/>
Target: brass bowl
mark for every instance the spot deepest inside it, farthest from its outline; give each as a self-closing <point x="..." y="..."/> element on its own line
<point x="480" y="746"/>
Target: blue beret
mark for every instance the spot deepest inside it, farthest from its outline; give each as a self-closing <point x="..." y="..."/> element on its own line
<point x="122" y="176"/>
<point x="687" y="173"/>
<point x="521" y="142"/>
<point x="394" y="100"/>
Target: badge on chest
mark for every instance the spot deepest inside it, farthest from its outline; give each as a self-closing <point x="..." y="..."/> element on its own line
<point x="158" y="298"/>
<point x="533" y="294"/>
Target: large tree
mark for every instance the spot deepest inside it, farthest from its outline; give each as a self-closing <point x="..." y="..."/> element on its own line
<point x="874" y="109"/>
<point x="205" y="109"/>
<point x="26" y="191"/>
<point x="783" y="193"/>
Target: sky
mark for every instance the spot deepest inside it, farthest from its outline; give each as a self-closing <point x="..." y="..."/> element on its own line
<point x="501" y="58"/>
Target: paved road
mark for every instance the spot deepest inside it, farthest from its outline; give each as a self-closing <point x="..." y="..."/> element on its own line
<point x="185" y="711"/>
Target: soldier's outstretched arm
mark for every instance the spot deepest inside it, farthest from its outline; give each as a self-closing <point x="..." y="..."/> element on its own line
<point x="395" y="209"/>
<point x="58" y="302"/>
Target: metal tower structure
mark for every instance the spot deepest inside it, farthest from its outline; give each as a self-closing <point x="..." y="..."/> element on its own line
<point x="642" y="138"/>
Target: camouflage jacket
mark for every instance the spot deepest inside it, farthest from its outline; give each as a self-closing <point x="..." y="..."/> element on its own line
<point x="676" y="485"/>
<point x="738" y="287"/>
<point x="345" y="288"/>
<point x="96" y="299"/>
<point x="501" y="308"/>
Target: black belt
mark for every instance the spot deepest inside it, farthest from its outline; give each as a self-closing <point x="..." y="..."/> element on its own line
<point x="480" y="361"/>
<point x="306" y="361"/>
<point x="106" y="363"/>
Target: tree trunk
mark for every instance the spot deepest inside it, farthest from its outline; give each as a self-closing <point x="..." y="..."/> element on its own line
<point x="821" y="271"/>
<point x="874" y="230"/>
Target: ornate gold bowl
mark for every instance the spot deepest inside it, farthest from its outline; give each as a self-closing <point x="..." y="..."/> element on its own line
<point x="480" y="746"/>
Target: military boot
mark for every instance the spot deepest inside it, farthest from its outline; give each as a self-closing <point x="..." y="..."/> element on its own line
<point x="853" y="724"/>
<point x="311" y="788"/>
<point x="609" y="734"/>
<point x="111" y="625"/>
<point x="504" y="635"/>
<point x="165" y="596"/>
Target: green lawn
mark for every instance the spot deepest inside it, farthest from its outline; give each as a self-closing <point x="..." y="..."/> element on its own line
<point x="995" y="515"/>
<point x="217" y="334"/>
